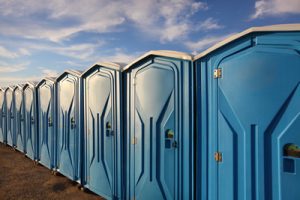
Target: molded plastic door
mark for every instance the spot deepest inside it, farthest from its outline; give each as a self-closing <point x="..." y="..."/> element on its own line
<point x="10" y="117"/>
<point x="101" y="138"/>
<point x="68" y="134"/>
<point x="46" y="127"/>
<point x="155" y="136"/>
<point x="30" y="123"/>
<point x="19" y="120"/>
<point x="258" y="115"/>
<point x="2" y="118"/>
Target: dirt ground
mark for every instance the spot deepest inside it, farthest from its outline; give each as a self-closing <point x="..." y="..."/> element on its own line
<point x="20" y="179"/>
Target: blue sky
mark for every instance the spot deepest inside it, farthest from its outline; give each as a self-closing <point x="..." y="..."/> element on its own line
<point x="40" y="39"/>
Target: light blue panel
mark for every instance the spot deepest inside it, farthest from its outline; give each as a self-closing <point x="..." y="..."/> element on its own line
<point x="31" y="121"/>
<point x="160" y="122"/>
<point x="2" y="116"/>
<point x="102" y="131"/>
<point x="10" y="115"/>
<point x="252" y="113"/>
<point x="47" y="130"/>
<point x="19" y="119"/>
<point x="68" y="142"/>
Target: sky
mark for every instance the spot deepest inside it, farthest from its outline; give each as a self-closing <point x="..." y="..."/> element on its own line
<point x="40" y="38"/>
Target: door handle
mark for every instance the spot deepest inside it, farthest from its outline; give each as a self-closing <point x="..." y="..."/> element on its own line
<point x="32" y="120"/>
<point x="109" y="131"/>
<point x="50" y="123"/>
<point x="73" y="123"/>
<point x="169" y="139"/>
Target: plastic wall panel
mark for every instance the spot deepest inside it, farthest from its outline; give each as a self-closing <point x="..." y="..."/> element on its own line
<point x="249" y="115"/>
<point x="47" y="123"/>
<point x="159" y="129"/>
<point x="103" y="143"/>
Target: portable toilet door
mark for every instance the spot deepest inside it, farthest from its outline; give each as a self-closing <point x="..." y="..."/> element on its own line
<point x="248" y="116"/>
<point x="102" y="129"/>
<point x="10" y="115"/>
<point x="69" y="133"/>
<point x="31" y="120"/>
<point x="159" y="126"/>
<point x="19" y="118"/>
<point x="47" y="122"/>
<point x="2" y="116"/>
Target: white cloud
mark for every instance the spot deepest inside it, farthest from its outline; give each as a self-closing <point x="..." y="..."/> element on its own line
<point x="47" y="72"/>
<point x="13" y="80"/>
<point x="275" y="7"/>
<point x="167" y="20"/>
<point x="120" y="56"/>
<point x="6" y="53"/>
<point x="209" y="24"/>
<point x="57" y="20"/>
<point x="24" y="52"/>
<point x="203" y="43"/>
<point x="83" y="51"/>
<point x="9" y="68"/>
<point x="19" y="78"/>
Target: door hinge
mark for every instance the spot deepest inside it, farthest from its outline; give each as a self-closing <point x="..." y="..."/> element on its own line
<point x="218" y="157"/>
<point x="134" y="140"/>
<point x="218" y="73"/>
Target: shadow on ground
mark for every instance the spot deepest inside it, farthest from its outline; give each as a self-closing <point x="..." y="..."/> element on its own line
<point x="20" y="179"/>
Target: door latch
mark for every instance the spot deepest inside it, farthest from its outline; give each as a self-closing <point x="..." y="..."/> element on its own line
<point x="73" y="124"/>
<point x="50" y="123"/>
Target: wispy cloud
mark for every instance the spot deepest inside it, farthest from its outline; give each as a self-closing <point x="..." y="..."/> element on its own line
<point x="6" y="53"/>
<point x="61" y="19"/>
<point x="172" y="19"/>
<point x="196" y="46"/>
<point x="275" y="7"/>
<point x="120" y="56"/>
<point x="82" y="51"/>
<point x="9" y="68"/>
<point x="12" y="78"/>
<point x="209" y="24"/>
<point x="47" y="72"/>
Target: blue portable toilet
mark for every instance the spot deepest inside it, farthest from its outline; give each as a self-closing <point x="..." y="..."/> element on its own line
<point x="102" y="93"/>
<point x="159" y="125"/>
<point x="31" y="120"/>
<point x="19" y="118"/>
<point x="247" y="91"/>
<point x="69" y="132"/>
<point x="47" y="122"/>
<point x="10" y="126"/>
<point x="2" y="116"/>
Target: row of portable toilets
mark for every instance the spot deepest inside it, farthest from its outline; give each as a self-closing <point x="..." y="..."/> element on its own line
<point x="221" y="125"/>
